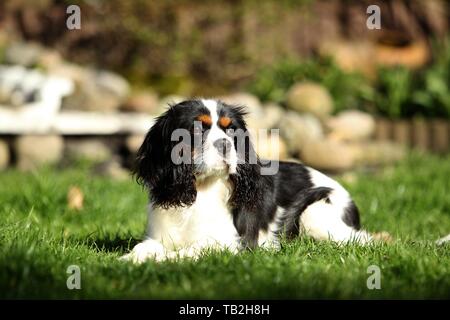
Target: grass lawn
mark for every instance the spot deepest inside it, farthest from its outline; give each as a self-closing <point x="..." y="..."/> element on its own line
<point x="40" y="237"/>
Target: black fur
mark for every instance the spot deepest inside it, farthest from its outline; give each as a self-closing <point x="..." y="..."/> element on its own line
<point x="351" y="216"/>
<point x="169" y="185"/>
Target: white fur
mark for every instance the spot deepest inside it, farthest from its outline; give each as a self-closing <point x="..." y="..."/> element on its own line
<point x="324" y="221"/>
<point x="186" y="231"/>
<point x="269" y="238"/>
<point x="211" y="157"/>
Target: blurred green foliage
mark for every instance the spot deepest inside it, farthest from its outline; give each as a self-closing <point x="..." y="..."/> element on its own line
<point x="433" y="94"/>
<point x="397" y="92"/>
<point x="404" y="93"/>
<point x="347" y="89"/>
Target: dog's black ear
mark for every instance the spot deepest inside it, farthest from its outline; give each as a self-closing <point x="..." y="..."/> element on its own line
<point x="247" y="198"/>
<point x="247" y="181"/>
<point x="170" y="184"/>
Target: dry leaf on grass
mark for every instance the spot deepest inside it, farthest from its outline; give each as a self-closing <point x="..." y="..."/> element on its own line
<point x="75" y="198"/>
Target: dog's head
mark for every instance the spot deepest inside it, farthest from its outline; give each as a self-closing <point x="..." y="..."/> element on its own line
<point x="191" y="142"/>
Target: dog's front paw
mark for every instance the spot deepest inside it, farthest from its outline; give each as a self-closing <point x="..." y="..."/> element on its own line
<point x="149" y="249"/>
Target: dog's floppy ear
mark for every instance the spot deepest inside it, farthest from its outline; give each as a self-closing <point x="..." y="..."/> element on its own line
<point x="247" y="191"/>
<point x="247" y="181"/>
<point x="247" y="197"/>
<point x="170" y="184"/>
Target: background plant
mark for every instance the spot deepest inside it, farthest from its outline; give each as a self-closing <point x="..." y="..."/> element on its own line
<point x="349" y="90"/>
<point x="397" y="92"/>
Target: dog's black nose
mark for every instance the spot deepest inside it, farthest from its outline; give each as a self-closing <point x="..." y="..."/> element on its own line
<point x="223" y="146"/>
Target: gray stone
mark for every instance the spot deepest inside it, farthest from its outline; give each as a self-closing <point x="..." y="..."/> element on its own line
<point x="113" y="83"/>
<point x="247" y="100"/>
<point x="96" y="90"/>
<point x="273" y="113"/>
<point x="328" y="155"/>
<point x="112" y="169"/>
<point x="256" y="118"/>
<point x="4" y="155"/>
<point x="297" y="130"/>
<point x="351" y="125"/>
<point x="167" y="101"/>
<point x="274" y="148"/>
<point x="134" y="142"/>
<point x="144" y="102"/>
<point x="375" y="153"/>
<point x="69" y="70"/>
<point x="23" y="53"/>
<point x="34" y="151"/>
<point x="50" y="60"/>
<point x="88" y="149"/>
<point x="310" y="98"/>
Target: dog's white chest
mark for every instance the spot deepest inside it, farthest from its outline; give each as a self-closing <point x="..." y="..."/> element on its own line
<point x="207" y="222"/>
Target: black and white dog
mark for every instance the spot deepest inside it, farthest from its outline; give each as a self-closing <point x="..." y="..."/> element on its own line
<point x="207" y="191"/>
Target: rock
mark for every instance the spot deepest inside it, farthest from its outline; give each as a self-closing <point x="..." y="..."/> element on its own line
<point x="50" y="60"/>
<point x="329" y="155"/>
<point x="247" y="100"/>
<point x="311" y="98"/>
<point x="96" y="90"/>
<point x="351" y="125"/>
<point x="145" y="102"/>
<point x="273" y="114"/>
<point x="255" y="116"/>
<point x="167" y="101"/>
<point x="112" y="82"/>
<point x="297" y="130"/>
<point x="134" y="142"/>
<point x="69" y="70"/>
<point x="87" y="149"/>
<point x="33" y="151"/>
<point x="112" y="169"/>
<point x="4" y="155"/>
<point x="377" y="153"/>
<point x="272" y="148"/>
<point x="23" y="53"/>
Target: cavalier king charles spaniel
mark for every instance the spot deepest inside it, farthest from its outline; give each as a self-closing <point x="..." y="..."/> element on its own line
<point x="209" y="189"/>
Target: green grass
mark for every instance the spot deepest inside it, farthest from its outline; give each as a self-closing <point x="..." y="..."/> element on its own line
<point x="40" y="238"/>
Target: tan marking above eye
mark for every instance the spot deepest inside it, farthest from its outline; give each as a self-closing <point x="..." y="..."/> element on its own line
<point x="205" y="119"/>
<point x="224" y="122"/>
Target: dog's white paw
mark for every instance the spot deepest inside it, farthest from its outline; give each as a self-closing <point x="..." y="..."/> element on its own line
<point x="148" y="249"/>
